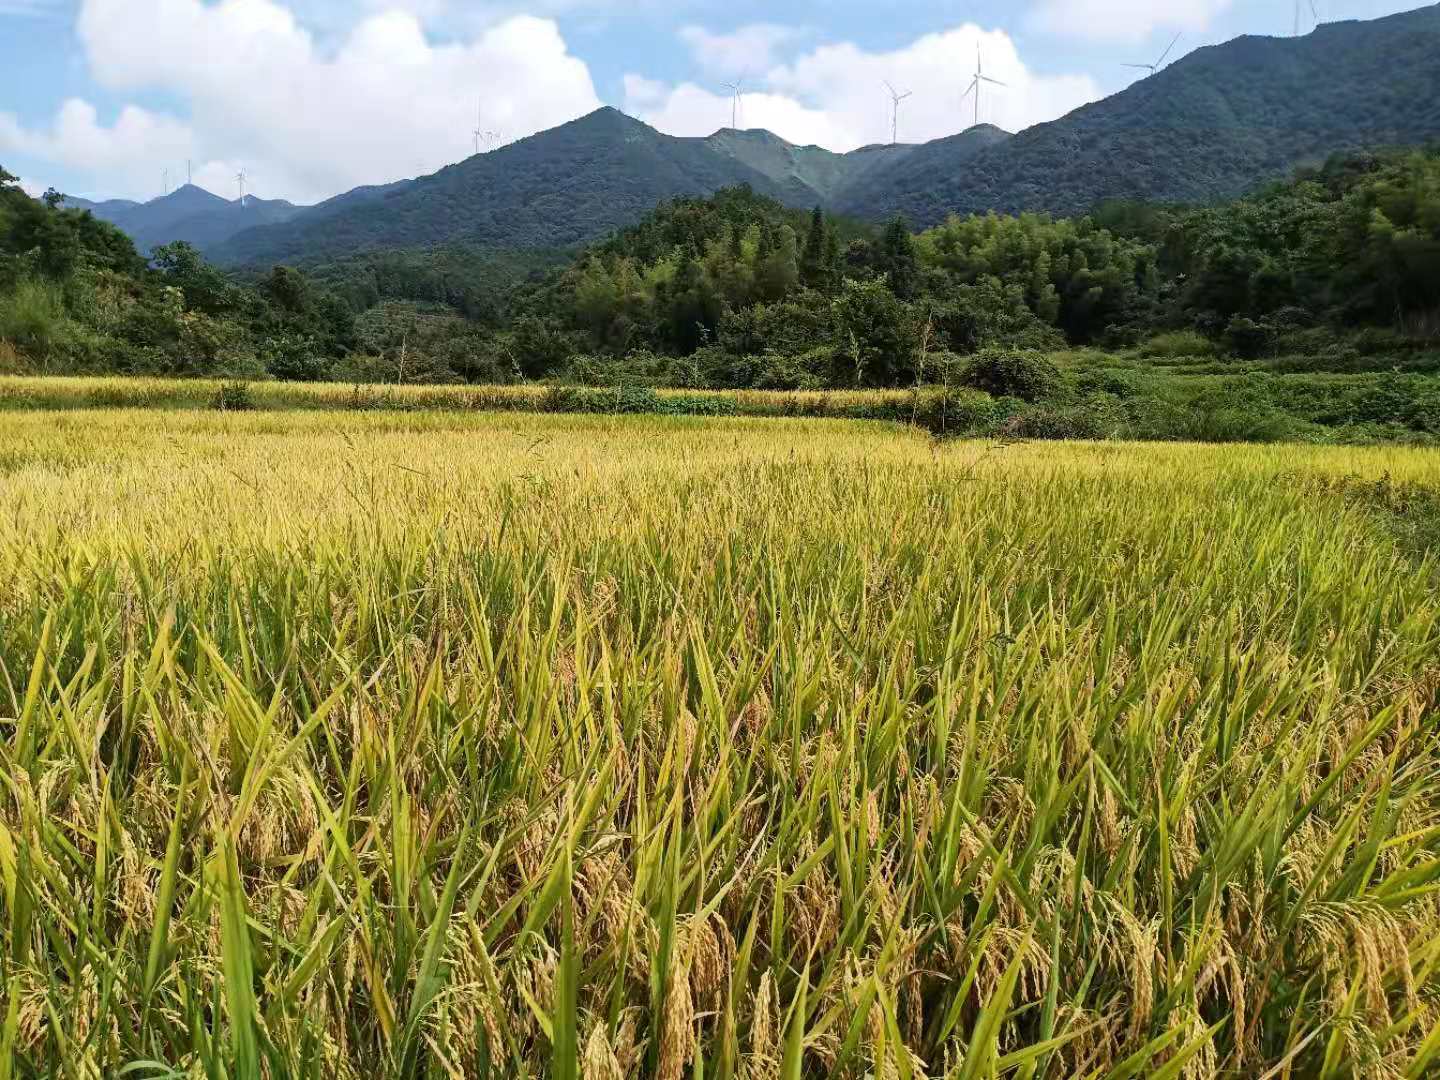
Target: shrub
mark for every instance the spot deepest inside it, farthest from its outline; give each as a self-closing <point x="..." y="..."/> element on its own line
<point x="32" y="318"/>
<point x="1098" y="417"/>
<point x="233" y="397"/>
<point x="1177" y="344"/>
<point x="295" y="359"/>
<point x="1240" y="424"/>
<point x="696" y="405"/>
<point x="958" y="412"/>
<point x="1247" y="339"/>
<point x="1119" y="384"/>
<point x="1025" y="375"/>
<point x="11" y="362"/>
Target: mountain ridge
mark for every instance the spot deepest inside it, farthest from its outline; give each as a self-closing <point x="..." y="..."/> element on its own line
<point x="189" y="213"/>
<point x="1218" y="122"/>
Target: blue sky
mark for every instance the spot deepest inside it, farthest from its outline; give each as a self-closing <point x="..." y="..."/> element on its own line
<point x="312" y="97"/>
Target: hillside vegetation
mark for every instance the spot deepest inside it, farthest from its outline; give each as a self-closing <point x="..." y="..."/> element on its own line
<point x="561" y="188"/>
<point x="1226" y="322"/>
<point x="76" y="297"/>
<point x="1214" y="125"/>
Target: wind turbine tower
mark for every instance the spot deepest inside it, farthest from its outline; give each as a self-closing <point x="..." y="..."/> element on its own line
<point x="240" y="179"/>
<point x="737" y="91"/>
<point x="1153" y="68"/>
<point x="977" y="83"/>
<point x="895" y="99"/>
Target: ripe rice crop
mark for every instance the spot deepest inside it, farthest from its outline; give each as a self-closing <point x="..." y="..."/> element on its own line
<point x="395" y="744"/>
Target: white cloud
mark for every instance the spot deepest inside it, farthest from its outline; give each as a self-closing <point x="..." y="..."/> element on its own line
<point x="834" y="95"/>
<point x="304" y="121"/>
<point x="688" y="109"/>
<point x="33" y="188"/>
<point x="130" y="153"/>
<point x="742" y="53"/>
<point x="1125" y="20"/>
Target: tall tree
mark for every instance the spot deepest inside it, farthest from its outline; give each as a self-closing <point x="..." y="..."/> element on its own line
<point x="812" y="262"/>
<point x="898" y="261"/>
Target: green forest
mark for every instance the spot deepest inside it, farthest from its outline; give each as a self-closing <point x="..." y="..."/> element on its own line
<point x="1334" y="271"/>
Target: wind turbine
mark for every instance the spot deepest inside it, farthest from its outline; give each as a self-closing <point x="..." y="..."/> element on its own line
<point x="1158" y="64"/>
<point x="977" y="83"/>
<point x="240" y="179"/>
<point x="737" y="90"/>
<point x="895" y="99"/>
<point x="1299" y="11"/>
<point x="165" y="181"/>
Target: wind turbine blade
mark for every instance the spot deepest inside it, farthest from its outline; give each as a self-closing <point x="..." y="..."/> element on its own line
<point x="995" y="82"/>
<point x="1166" y="54"/>
<point x="1142" y="67"/>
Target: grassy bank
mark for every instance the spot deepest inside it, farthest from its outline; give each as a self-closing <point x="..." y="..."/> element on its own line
<point x="1092" y="396"/>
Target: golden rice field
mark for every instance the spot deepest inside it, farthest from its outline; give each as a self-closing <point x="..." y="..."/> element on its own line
<point x="425" y="745"/>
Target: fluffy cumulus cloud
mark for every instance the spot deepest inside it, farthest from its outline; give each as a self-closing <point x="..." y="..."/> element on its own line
<point x="305" y="120"/>
<point x="835" y="95"/>
<point x="1125" y="20"/>
<point x="311" y="106"/>
<point x="750" y="50"/>
<point x="130" y="149"/>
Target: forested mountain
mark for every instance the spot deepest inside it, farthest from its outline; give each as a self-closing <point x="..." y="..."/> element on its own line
<point x="188" y="213"/>
<point x="1335" y="270"/>
<point x="1218" y="123"/>
<point x="561" y="188"/>
<point x="822" y="175"/>
<point x="1212" y="126"/>
<point x="107" y="210"/>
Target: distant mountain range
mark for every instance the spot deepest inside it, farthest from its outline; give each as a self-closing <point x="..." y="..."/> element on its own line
<point x="1214" y="125"/>
<point x="188" y="213"/>
<point x="558" y="189"/>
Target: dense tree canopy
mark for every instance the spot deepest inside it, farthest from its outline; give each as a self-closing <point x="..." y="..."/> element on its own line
<point x="75" y="296"/>
<point x="739" y="290"/>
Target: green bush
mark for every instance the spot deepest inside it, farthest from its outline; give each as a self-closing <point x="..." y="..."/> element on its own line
<point x="233" y="397"/>
<point x="697" y="405"/>
<point x="1028" y="376"/>
<point x="1178" y="344"/>
<point x="295" y="359"/>
<point x="33" y="319"/>
<point x="1248" y="339"/>
<point x="1098" y="417"/>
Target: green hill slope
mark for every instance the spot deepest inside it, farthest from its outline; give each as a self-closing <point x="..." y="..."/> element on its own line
<point x="560" y="188"/>
<point x="1214" y="125"/>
